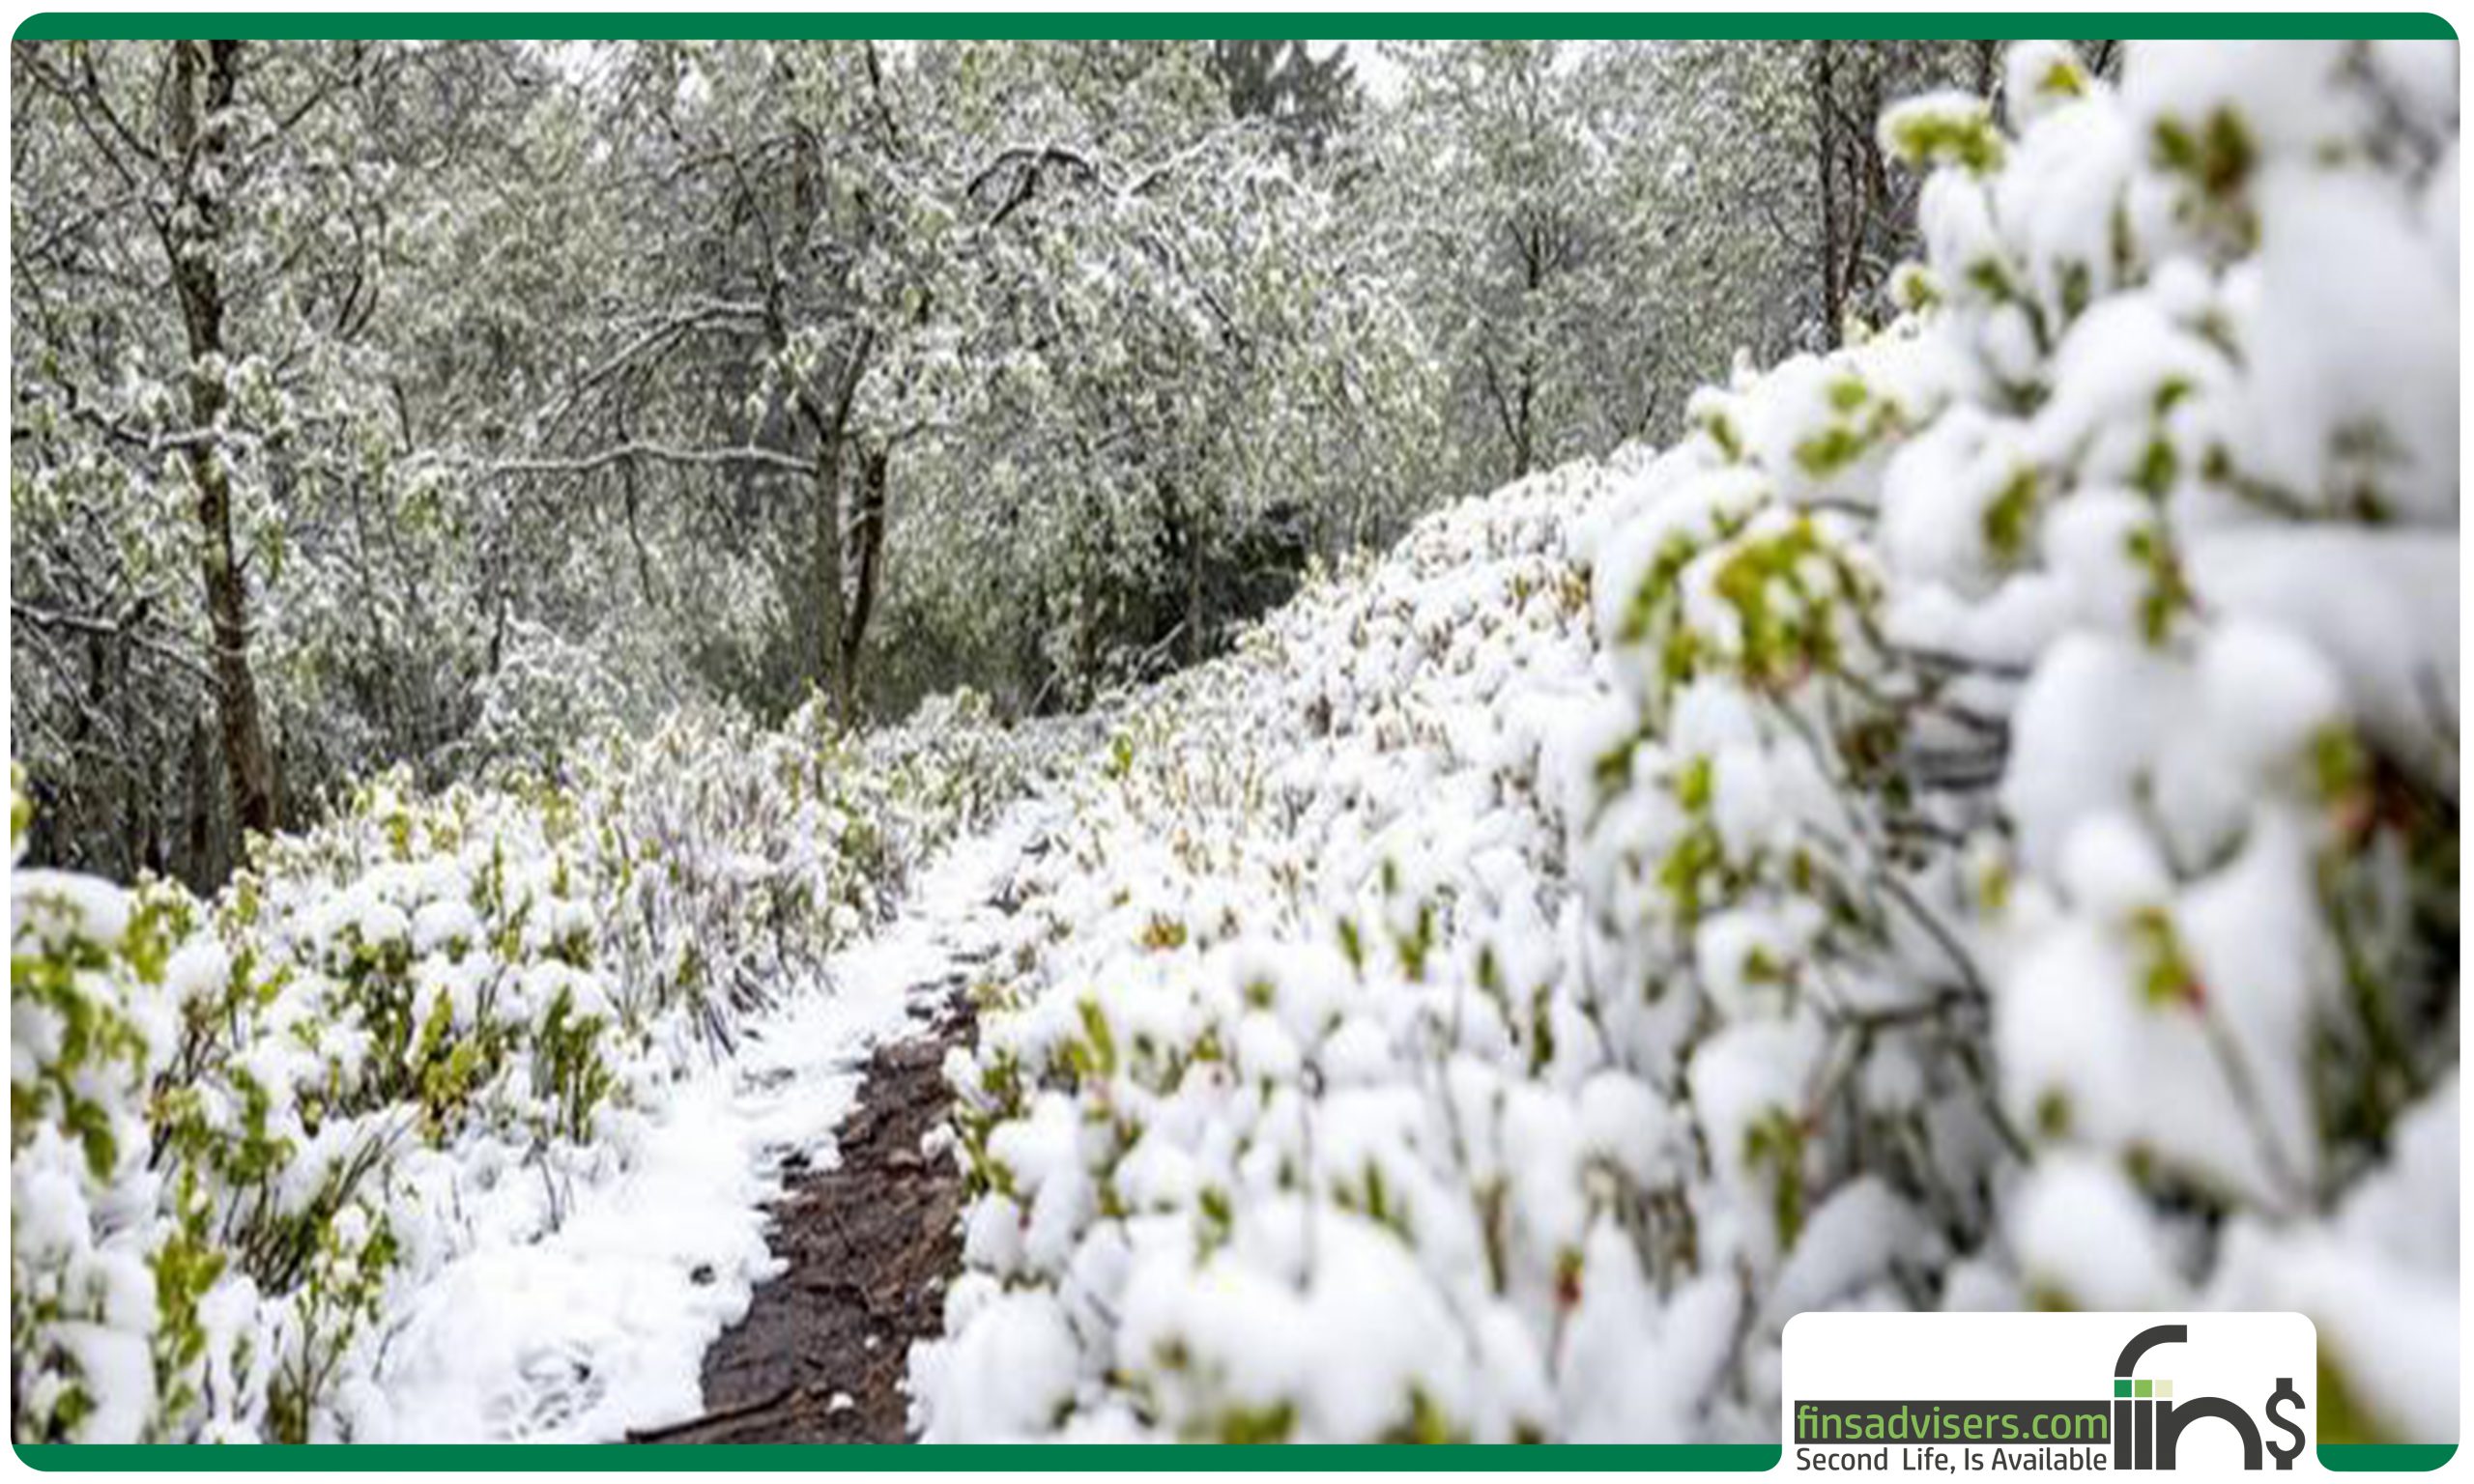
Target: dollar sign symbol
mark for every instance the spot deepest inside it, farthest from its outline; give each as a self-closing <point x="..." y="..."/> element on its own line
<point x="2283" y="1395"/>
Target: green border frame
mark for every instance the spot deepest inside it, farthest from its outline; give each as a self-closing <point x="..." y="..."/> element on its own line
<point x="1084" y="1457"/>
<point x="1087" y="1458"/>
<point x="143" y="25"/>
<point x="1729" y="1458"/>
<point x="2385" y="1457"/>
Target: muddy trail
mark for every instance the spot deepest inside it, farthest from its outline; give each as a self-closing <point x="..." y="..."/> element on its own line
<point x="868" y="1236"/>
<point x="870" y="1244"/>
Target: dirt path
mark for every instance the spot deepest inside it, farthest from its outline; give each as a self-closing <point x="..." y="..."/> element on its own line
<point x="819" y="1356"/>
<point x="869" y="1244"/>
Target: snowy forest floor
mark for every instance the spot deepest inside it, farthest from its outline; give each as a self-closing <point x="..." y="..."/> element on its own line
<point x="793" y="1167"/>
<point x="870" y="1244"/>
<point x="868" y="1236"/>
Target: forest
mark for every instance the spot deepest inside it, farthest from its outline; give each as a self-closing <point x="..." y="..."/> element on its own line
<point x="1267" y="740"/>
<point x="440" y="404"/>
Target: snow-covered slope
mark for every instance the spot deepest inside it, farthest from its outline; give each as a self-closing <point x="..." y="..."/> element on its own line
<point x="1973" y="824"/>
<point x="1288" y="1132"/>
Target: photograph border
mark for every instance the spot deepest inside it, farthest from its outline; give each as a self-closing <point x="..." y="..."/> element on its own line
<point x="1805" y="25"/>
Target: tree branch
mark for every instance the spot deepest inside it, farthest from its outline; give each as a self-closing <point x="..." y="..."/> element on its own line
<point x="658" y="453"/>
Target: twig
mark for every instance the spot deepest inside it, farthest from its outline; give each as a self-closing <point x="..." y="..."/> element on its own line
<point x="765" y="1402"/>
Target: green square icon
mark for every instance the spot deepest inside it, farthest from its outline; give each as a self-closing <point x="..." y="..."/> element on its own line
<point x="2121" y="1386"/>
<point x="2148" y="1388"/>
<point x="2163" y="1388"/>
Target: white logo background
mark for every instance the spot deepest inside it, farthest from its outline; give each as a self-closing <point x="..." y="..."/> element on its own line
<point x="2039" y="1357"/>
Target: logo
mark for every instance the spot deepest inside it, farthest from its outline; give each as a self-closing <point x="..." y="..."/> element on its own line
<point x="1953" y="1394"/>
<point x="2148" y="1419"/>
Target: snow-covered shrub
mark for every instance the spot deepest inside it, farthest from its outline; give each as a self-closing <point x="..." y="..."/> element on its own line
<point x="955" y="764"/>
<point x="304" y="1074"/>
<point x="548" y="699"/>
<point x="2041" y="755"/>
<point x="106" y="1264"/>
<point x="1973" y="824"/>
<point x="738" y="858"/>
<point x="246" y="1132"/>
<point x="1291" y="1128"/>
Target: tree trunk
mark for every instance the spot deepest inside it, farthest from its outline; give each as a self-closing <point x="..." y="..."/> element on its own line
<point x="825" y="568"/>
<point x="867" y="536"/>
<point x="1197" y="617"/>
<point x="1524" y="449"/>
<point x="204" y="76"/>
<point x="1824" y="156"/>
<point x="198" y="866"/>
<point x="1868" y="189"/>
<point x="832" y="426"/>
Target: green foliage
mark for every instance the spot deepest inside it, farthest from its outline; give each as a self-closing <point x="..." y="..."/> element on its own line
<point x="1774" y="1143"/>
<point x="1936" y="132"/>
<point x="2006" y="519"/>
<point x="217" y="1102"/>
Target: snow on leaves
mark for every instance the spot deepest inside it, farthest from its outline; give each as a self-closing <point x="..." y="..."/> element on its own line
<point x="1973" y="823"/>
<point x="246" y="1132"/>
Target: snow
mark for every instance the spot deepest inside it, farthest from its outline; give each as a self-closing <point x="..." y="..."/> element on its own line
<point x="2380" y="603"/>
<point x="456" y="1116"/>
<point x="2084" y="1236"/>
<point x="2335" y="351"/>
<point x="1304" y="951"/>
<point x="1011" y="1373"/>
<point x="600" y="1326"/>
<point x="55" y="907"/>
<point x="1972" y="824"/>
<point x="1852" y="1249"/>
<point x="1588" y="988"/>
